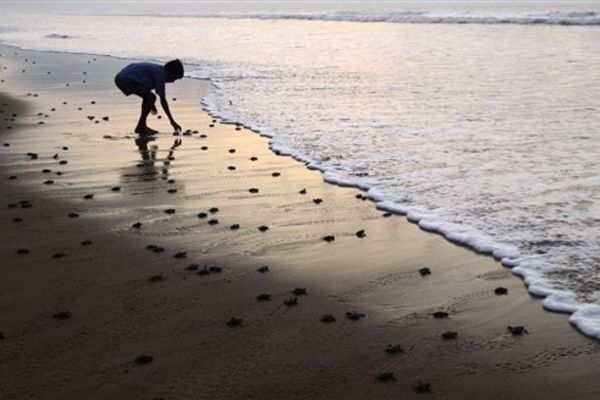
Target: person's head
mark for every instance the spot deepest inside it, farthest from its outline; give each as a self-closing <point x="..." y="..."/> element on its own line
<point x="174" y="70"/>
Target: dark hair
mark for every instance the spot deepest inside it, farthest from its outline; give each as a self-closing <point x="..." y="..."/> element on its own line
<point x="175" y="68"/>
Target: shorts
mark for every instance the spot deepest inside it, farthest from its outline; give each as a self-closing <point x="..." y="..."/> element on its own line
<point x="129" y="87"/>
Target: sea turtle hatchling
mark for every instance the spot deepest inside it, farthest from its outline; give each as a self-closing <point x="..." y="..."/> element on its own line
<point x="299" y="292"/>
<point x="233" y="321"/>
<point x="143" y="359"/>
<point x="327" y="318"/>
<point x="263" y="297"/>
<point x="450" y="335"/>
<point x="291" y="302"/>
<point x="354" y="316"/>
<point x="263" y="269"/>
<point x="386" y="376"/>
<point x="517" y="330"/>
<point x="501" y="291"/>
<point x="440" y="314"/>
<point x="422" y="387"/>
<point x="394" y="349"/>
<point x="180" y="254"/>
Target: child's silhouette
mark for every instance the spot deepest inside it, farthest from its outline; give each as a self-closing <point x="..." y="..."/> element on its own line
<point x="140" y="79"/>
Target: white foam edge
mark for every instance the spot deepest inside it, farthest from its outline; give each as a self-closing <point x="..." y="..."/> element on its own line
<point x="584" y="316"/>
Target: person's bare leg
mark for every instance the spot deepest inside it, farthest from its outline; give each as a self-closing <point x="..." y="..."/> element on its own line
<point x="147" y="106"/>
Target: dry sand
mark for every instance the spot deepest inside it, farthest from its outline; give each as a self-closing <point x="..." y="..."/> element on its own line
<point x="117" y="313"/>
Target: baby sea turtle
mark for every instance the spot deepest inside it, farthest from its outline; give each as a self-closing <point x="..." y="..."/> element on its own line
<point x="62" y="315"/>
<point x="204" y="148"/>
<point x="86" y="242"/>
<point x="137" y="225"/>
<point x="202" y="215"/>
<point x="46" y="171"/>
<point x="237" y="128"/>
<point x="170" y="211"/>
<point x="213" y="222"/>
<point x="143" y="359"/>
<point x="253" y="158"/>
<point x="425" y="271"/>
<point x="215" y="269"/>
<point x="48" y="182"/>
<point x="299" y="291"/>
<point x="158" y="249"/>
<point x="204" y="271"/>
<point x="156" y="278"/>
<point x="263" y="269"/>
<point x="180" y="254"/>
<point x="17" y="219"/>
<point x="500" y="291"/>
<point x="359" y="196"/>
<point x="211" y="125"/>
<point x="387" y="214"/>
<point x="214" y="210"/>
<point x="233" y="321"/>
<point x="361" y="234"/>
<point x="12" y="177"/>
<point x="263" y="228"/>
<point x="422" y="387"/>
<point x="151" y="247"/>
<point x="171" y="181"/>
<point x="192" y="267"/>
<point x="203" y="136"/>
<point x="303" y="191"/>
<point x="263" y="297"/>
<point x="232" y="151"/>
<point x="65" y="148"/>
<point x="234" y="227"/>
<point x="105" y="118"/>
<point x="171" y="191"/>
<point x="91" y="117"/>
<point x="55" y="157"/>
<point x="253" y="190"/>
<point x="292" y="301"/>
<point x="394" y="349"/>
<point x="276" y="174"/>
<point x="354" y="316"/>
<point x="231" y="168"/>
<point x="317" y="201"/>
<point x="88" y="196"/>
<point x="386" y="376"/>
<point x="116" y="189"/>
<point x="59" y="255"/>
<point x="440" y="314"/>
<point x="22" y="251"/>
<point x="329" y="238"/>
<point x="517" y="330"/>
<point x="327" y="318"/>
<point x="450" y="335"/>
<point x="73" y="215"/>
<point x="25" y="204"/>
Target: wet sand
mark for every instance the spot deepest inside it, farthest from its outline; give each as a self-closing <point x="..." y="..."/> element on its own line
<point x="107" y="279"/>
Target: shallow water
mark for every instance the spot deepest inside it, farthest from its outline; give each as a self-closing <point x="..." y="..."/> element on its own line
<point x="487" y="133"/>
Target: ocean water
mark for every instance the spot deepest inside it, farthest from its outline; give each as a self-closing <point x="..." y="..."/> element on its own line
<point x="480" y="122"/>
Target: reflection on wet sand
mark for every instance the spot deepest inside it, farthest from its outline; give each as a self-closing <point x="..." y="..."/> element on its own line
<point x="147" y="170"/>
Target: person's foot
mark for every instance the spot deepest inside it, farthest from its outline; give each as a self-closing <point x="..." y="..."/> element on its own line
<point x="144" y="130"/>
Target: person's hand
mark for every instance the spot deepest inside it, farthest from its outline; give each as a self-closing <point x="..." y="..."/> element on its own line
<point x="176" y="126"/>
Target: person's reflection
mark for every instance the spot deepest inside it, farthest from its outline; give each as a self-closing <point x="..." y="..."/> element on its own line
<point x="147" y="166"/>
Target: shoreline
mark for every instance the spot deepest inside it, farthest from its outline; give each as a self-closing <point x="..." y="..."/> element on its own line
<point x="583" y="316"/>
<point x="118" y="314"/>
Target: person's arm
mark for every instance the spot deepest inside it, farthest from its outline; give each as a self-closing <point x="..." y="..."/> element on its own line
<point x="165" y="105"/>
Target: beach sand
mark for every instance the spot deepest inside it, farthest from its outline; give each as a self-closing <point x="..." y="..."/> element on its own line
<point x="120" y="300"/>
